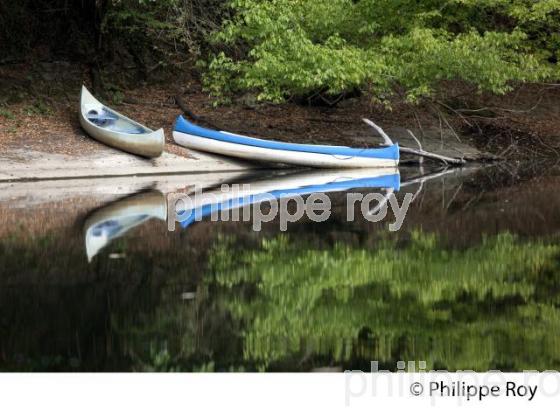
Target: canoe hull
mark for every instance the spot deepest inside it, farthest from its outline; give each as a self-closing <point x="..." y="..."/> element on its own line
<point x="285" y="186"/>
<point x="253" y="153"/>
<point x="148" y="144"/>
<point x="125" y="214"/>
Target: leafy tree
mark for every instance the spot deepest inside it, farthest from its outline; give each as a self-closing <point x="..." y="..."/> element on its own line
<point x="384" y="47"/>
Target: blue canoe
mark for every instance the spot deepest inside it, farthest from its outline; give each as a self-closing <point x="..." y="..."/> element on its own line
<point x="199" y="138"/>
<point x="299" y="184"/>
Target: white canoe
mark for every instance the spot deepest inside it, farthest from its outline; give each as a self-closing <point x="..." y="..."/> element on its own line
<point x="118" y="131"/>
<point x="114" y="220"/>
<point x="198" y="138"/>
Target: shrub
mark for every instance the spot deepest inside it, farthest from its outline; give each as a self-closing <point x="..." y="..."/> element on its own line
<point x="296" y="47"/>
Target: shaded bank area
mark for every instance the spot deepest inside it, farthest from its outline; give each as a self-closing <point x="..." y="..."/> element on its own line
<point x="42" y="115"/>
<point x="218" y="296"/>
<point x="328" y="63"/>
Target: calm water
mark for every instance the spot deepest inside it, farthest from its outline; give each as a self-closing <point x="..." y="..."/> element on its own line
<point x="93" y="281"/>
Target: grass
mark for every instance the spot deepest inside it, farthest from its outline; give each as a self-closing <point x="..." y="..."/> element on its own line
<point x="39" y="108"/>
<point x="4" y="112"/>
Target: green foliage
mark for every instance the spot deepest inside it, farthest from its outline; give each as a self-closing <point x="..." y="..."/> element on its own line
<point x="4" y="112"/>
<point x="297" y="47"/>
<point x="39" y="108"/>
<point x="219" y="76"/>
<point x="137" y="16"/>
<point x="139" y="26"/>
<point x="155" y="25"/>
<point x="477" y="308"/>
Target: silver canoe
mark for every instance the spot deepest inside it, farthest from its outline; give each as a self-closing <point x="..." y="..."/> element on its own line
<point x="118" y="131"/>
<point x="114" y="220"/>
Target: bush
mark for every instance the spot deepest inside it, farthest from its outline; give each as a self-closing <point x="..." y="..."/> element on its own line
<point x="297" y="47"/>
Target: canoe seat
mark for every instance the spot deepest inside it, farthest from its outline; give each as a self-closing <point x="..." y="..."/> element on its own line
<point x="108" y="120"/>
<point x="101" y="118"/>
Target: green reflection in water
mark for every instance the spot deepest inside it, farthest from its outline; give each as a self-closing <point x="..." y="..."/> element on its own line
<point x="494" y="305"/>
<point x="282" y="304"/>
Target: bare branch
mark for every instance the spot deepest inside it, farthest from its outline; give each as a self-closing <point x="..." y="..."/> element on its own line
<point x="416" y="139"/>
<point x="421" y="160"/>
<point x="426" y="154"/>
<point x="382" y="203"/>
<point x="423" y="178"/>
<point x="386" y="139"/>
<point x="420" y="152"/>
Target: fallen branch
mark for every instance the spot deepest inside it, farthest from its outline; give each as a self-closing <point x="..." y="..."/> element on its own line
<point x="418" y="152"/>
<point x="187" y="111"/>
<point x="431" y="155"/>
<point x="424" y="178"/>
<point x="421" y="180"/>
<point x="387" y="140"/>
<point x="382" y="203"/>
<point x="421" y="160"/>
<point x="416" y="139"/>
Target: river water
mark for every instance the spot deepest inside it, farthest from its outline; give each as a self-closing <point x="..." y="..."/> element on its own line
<point x="92" y="279"/>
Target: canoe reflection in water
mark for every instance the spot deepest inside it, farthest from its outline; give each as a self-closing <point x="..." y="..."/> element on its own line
<point x="285" y="186"/>
<point x="116" y="219"/>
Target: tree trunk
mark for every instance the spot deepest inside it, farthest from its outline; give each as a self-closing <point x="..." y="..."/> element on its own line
<point x="100" y="8"/>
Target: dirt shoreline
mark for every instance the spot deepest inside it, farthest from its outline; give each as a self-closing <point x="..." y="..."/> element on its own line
<point x="45" y="120"/>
